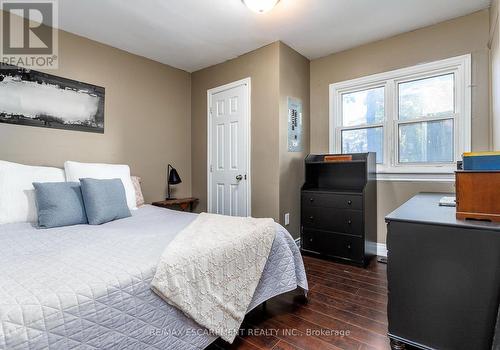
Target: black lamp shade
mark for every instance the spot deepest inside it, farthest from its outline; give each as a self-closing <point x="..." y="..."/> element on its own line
<point x="173" y="176"/>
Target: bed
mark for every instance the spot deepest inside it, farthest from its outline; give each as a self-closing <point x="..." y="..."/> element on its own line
<point x="88" y="287"/>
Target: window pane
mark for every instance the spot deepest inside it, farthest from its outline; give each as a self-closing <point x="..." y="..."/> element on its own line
<point x="426" y="142"/>
<point x="363" y="107"/>
<point x="427" y="97"/>
<point x="364" y="140"/>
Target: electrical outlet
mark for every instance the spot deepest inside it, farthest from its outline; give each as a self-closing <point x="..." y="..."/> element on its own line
<point x="287" y="219"/>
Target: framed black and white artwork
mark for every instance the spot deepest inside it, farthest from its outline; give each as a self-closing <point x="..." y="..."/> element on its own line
<point x="32" y="98"/>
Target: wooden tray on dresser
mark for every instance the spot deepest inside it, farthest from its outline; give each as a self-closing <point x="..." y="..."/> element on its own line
<point x="478" y="195"/>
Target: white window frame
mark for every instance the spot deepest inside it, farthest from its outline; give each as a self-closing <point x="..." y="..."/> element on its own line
<point x="391" y="169"/>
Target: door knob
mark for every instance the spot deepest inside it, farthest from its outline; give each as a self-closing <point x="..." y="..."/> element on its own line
<point x="239" y="177"/>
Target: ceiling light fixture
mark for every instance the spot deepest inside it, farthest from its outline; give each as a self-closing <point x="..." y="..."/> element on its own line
<point x="260" y="6"/>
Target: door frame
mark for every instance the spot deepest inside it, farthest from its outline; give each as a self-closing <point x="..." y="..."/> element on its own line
<point x="210" y="92"/>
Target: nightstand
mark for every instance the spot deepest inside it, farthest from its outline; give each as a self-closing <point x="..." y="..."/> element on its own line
<point x="182" y="203"/>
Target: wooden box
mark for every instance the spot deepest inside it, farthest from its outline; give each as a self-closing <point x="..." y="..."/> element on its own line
<point x="478" y="195"/>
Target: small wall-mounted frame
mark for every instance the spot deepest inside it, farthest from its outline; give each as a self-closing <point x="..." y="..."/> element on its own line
<point x="295" y="129"/>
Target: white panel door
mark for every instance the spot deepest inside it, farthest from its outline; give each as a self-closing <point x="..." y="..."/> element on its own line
<point x="229" y="151"/>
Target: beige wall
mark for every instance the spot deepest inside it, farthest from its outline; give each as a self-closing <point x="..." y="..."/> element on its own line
<point x="147" y="118"/>
<point x="156" y="114"/>
<point x="294" y="82"/>
<point x="468" y="34"/>
<point x="494" y="42"/>
<point x="277" y="72"/>
<point x="262" y="67"/>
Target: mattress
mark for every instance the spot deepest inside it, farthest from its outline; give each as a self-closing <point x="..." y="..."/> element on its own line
<point x="88" y="287"/>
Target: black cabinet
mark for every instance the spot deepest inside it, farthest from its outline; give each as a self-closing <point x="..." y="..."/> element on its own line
<point x="339" y="208"/>
<point x="443" y="277"/>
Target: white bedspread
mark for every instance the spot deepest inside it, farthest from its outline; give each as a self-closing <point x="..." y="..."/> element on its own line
<point x="211" y="269"/>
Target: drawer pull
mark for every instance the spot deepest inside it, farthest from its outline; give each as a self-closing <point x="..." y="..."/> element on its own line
<point x="348" y="246"/>
<point x="311" y="199"/>
<point x="311" y="218"/>
<point x="349" y="222"/>
<point x="349" y="202"/>
<point x="310" y="239"/>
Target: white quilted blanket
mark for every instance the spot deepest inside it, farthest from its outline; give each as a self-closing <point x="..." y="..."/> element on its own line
<point x="211" y="269"/>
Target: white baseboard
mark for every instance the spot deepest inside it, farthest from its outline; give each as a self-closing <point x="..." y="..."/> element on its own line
<point x="381" y="249"/>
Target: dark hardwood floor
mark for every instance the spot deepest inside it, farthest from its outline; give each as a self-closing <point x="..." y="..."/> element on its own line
<point x="346" y="309"/>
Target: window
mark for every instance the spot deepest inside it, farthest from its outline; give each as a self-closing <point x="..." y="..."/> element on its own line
<point x="416" y="119"/>
<point x="363" y="114"/>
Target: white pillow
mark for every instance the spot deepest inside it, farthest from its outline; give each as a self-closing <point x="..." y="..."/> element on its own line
<point x="17" y="195"/>
<point x="76" y="171"/>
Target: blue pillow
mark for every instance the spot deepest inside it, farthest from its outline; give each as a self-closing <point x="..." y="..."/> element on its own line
<point x="105" y="200"/>
<point x="59" y="204"/>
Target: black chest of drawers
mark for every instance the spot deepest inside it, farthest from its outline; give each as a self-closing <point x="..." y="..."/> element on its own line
<point x="443" y="277"/>
<point x="339" y="208"/>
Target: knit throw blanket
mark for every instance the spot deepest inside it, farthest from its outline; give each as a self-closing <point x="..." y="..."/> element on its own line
<point x="211" y="269"/>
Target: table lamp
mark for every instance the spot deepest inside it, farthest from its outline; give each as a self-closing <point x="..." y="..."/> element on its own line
<point x="173" y="179"/>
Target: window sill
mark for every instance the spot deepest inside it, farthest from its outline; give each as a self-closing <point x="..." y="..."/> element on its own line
<point x="416" y="177"/>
